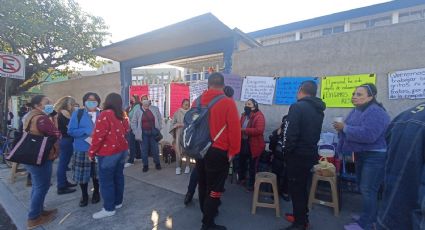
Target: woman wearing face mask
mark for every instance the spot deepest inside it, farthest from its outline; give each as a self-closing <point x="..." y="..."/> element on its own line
<point x="253" y="125"/>
<point x="81" y="127"/>
<point x="363" y="133"/>
<point x="134" y="145"/>
<point x="177" y="132"/>
<point x="39" y="123"/>
<point x="64" y="108"/>
<point x="143" y="122"/>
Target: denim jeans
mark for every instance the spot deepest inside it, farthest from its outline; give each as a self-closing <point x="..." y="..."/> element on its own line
<point x="111" y="178"/>
<point x="40" y="176"/>
<point x="149" y="144"/>
<point x="66" y="151"/>
<point x="134" y="148"/>
<point x="370" y="176"/>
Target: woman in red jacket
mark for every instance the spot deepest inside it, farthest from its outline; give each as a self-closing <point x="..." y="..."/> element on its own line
<point x="253" y="124"/>
<point x="109" y="146"/>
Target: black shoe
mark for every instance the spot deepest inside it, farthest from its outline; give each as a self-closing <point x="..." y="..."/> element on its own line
<point x="295" y="227"/>
<point x="84" y="201"/>
<point x="188" y="198"/>
<point x="158" y="167"/>
<point x="66" y="190"/>
<point x="145" y="168"/>
<point x="95" y="198"/>
<point x="213" y="227"/>
<point x="70" y="185"/>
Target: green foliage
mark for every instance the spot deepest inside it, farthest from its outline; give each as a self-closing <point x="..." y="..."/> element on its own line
<point x="51" y="34"/>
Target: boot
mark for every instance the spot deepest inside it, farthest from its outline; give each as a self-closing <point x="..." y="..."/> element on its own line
<point x="188" y="198"/>
<point x="32" y="224"/>
<point x="84" y="201"/>
<point x="96" y="195"/>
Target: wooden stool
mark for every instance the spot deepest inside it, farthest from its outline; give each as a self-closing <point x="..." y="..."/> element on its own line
<point x="312" y="199"/>
<point x="15" y="171"/>
<point x="269" y="178"/>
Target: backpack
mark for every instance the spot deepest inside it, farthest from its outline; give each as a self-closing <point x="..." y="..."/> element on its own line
<point x="168" y="154"/>
<point x="196" y="133"/>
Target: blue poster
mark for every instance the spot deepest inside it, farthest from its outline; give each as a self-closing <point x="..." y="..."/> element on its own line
<point x="287" y="88"/>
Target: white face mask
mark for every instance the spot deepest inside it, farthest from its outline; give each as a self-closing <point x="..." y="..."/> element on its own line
<point x="145" y="103"/>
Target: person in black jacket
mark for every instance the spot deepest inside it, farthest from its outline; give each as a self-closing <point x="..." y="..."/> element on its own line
<point x="301" y="133"/>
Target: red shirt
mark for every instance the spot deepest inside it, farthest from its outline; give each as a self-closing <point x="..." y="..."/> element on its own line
<point x="109" y="135"/>
<point x="148" y="120"/>
<point x="223" y="113"/>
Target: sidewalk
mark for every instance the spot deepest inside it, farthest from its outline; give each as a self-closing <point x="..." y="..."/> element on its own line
<point x="154" y="200"/>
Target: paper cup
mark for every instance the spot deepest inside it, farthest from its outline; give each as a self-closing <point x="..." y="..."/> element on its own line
<point x="338" y="119"/>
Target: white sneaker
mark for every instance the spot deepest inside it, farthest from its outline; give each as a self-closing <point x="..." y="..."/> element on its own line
<point x="178" y="171"/>
<point x="118" y="206"/>
<point x="128" y="165"/>
<point x="103" y="213"/>
<point x="187" y="170"/>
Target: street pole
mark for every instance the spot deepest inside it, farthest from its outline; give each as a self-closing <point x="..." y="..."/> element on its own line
<point x="5" y="108"/>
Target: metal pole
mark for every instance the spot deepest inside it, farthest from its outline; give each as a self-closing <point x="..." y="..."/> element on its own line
<point x="5" y="107"/>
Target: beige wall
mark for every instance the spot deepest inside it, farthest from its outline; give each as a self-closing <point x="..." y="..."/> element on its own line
<point x="100" y="84"/>
<point x="379" y="50"/>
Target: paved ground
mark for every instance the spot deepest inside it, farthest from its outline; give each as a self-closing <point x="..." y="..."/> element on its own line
<point x="5" y="221"/>
<point x="154" y="200"/>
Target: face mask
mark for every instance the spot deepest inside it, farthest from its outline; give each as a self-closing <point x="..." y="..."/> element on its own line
<point x="247" y="110"/>
<point x="48" y="109"/>
<point x="91" y="104"/>
<point x="145" y="102"/>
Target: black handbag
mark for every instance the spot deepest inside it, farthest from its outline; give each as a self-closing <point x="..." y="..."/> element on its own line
<point x="31" y="149"/>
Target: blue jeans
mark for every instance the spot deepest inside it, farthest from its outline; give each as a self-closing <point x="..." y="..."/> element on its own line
<point x="134" y="147"/>
<point x="40" y="176"/>
<point x="111" y="178"/>
<point x="149" y="144"/>
<point x="370" y="176"/>
<point x="66" y="151"/>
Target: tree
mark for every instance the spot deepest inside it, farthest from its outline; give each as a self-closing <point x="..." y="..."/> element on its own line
<point x="51" y="34"/>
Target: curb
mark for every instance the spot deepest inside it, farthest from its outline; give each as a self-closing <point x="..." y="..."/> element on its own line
<point x="13" y="207"/>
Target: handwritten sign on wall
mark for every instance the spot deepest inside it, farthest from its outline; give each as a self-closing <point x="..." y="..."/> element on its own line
<point x="287" y="88"/>
<point x="197" y="88"/>
<point x="260" y="88"/>
<point x="178" y="92"/>
<point x="407" y="84"/>
<point x="157" y="96"/>
<point x="234" y="81"/>
<point x="336" y="91"/>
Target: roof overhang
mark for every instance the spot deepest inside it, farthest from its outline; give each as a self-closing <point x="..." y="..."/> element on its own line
<point x="196" y="31"/>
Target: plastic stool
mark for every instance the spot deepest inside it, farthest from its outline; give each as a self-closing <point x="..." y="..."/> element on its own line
<point x="312" y="199"/>
<point x="269" y="178"/>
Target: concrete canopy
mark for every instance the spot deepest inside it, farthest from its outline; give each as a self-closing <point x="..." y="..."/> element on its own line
<point x="198" y="36"/>
<point x="198" y="30"/>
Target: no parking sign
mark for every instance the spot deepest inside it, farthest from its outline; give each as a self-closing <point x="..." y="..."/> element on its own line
<point x="12" y="66"/>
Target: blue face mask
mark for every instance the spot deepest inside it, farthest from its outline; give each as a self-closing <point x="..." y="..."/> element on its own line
<point x="48" y="109"/>
<point x="91" y="104"/>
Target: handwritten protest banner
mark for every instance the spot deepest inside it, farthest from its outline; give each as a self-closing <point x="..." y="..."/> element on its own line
<point x="287" y="88"/>
<point x="260" y="88"/>
<point x="178" y="92"/>
<point x="197" y="88"/>
<point x="139" y="90"/>
<point x="157" y="96"/>
<point x="336" y="91"/>
<point x="407" y="84"/>
<point x="234" y="81"/>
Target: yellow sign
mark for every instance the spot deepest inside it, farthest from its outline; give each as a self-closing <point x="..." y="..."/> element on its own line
<point x="336" y="91"/>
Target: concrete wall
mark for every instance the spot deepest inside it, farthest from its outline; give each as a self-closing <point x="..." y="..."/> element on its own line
<point x="100" y="84"/>
<point x="379" y="50"/>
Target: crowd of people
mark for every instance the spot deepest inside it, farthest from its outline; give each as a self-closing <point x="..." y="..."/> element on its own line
<point x="103" y="139"/>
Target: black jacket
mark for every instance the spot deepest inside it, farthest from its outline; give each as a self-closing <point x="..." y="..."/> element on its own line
<point x="303" y="127"/>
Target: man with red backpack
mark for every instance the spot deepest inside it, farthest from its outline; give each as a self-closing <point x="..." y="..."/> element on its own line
<point x="213" y="168"/>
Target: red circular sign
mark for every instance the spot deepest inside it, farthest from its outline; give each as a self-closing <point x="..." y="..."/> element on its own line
<point x="10" y="64"/>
